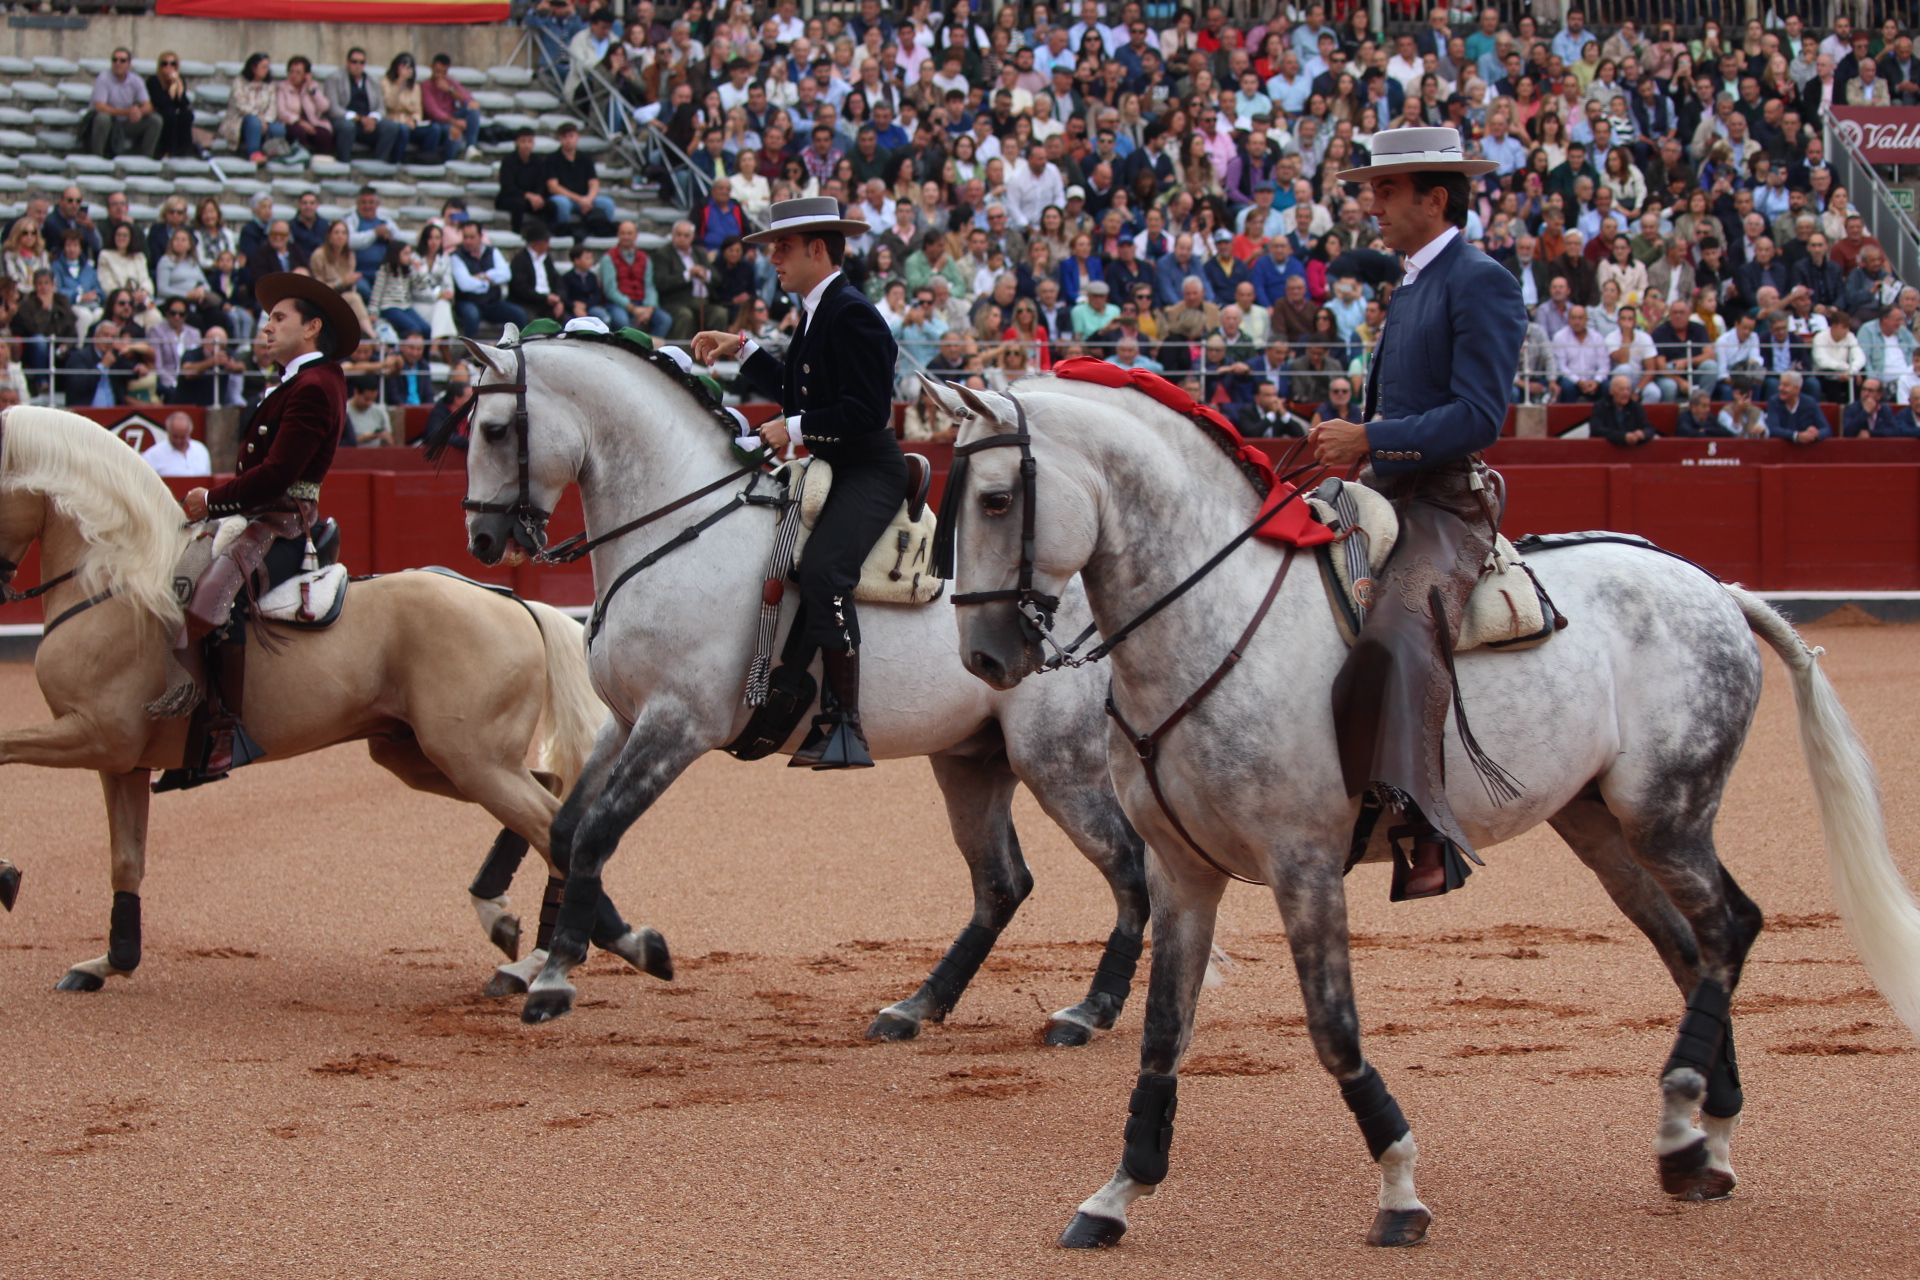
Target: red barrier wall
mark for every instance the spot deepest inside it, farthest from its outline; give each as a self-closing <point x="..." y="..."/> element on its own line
<point x="1842" y="515"/>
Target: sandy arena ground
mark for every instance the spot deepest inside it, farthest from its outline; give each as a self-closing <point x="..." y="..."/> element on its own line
<point x="303" y="1079"/>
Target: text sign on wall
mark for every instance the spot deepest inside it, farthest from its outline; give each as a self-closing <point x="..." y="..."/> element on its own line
<point x="1882" y="135"/>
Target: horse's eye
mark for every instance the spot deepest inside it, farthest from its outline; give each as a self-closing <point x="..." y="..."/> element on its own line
<point x="494" y="432"/>
<point x="997" y="503"/>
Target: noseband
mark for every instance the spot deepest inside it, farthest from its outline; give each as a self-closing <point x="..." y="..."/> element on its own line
<point x="1036" y="607"/>
<point x="529" y="521"/>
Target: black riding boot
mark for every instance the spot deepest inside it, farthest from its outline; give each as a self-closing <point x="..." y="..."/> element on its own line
<point x="837" y="740"/>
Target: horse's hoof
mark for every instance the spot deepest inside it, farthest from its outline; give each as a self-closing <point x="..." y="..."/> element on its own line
<point x="1087" y="1231"/>
<point x="546" y="1005"/>
<point x="654" y="956"/>
<point x="888" y="1025"/>
<point x="1399" y="1228"/>
<point x="1686" y="1175"/>
<point x="9" y="884"/>
<point x="505" y="935"/>
<point x="79" y="980"/>
<point x="1067" y="1034"/>
<point x="505" y="983"/>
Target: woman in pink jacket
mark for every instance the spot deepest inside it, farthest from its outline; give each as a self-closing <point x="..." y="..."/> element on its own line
<point x="303" y="108"/>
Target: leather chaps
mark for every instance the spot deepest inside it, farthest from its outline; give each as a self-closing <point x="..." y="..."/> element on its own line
<point x="1391" y="697"/>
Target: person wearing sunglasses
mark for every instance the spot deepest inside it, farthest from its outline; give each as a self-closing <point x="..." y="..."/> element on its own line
<point x="360" y="113"/>
<point x="122" y="120"/>
<point x="173" y="104"/>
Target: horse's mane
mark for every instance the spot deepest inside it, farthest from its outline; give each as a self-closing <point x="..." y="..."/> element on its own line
<point x="127" y="518"/>
<point x="706" y="392"/>
<point x="1139" y="405"/>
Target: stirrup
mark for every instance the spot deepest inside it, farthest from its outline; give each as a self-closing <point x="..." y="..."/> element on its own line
<point x="1452" y="866"/>
<point x="239" y="750"/>
<point x="835" y="742"/>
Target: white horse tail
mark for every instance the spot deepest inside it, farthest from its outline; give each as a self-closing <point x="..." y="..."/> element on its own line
<point x="1874" y="900"/>
<point x="574" y="712"/>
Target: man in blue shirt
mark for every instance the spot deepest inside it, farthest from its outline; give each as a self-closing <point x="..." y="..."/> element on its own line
<point x="1795" y="417"/>
<point x="1572" y="38"/>
<point x="368" y="234"/>
<point x="1270" y="273"/>
<point x="1867" y="416"/>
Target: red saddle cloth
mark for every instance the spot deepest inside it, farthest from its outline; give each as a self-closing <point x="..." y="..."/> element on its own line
<point x="1294" y="525"/>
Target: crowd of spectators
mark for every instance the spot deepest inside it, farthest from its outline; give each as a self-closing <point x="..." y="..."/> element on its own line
<point x="1151" y="184"/>
<point x="1158" y="185"/>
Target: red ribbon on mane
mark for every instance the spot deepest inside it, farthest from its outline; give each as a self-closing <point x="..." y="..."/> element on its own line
<point x="1294" y="525"/>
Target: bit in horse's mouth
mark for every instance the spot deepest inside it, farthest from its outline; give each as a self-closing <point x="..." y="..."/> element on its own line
<point x="514" y="556"/>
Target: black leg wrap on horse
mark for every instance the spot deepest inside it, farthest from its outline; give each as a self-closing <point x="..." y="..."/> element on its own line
<point x="1114" y="977"/>
<point x="956" y="968"/>
<point x="1724" y="1099"/>
<point x="1150" y="1128"/>
<point x="579" y="906"/>
<point x="496" y="873"/>
<point x="123" y="932"/>
<point x="1379" y="1117"/>
<point x="1702" y="1031"/>
<point x="608" y="927"/>
<point x="550" y="910"/>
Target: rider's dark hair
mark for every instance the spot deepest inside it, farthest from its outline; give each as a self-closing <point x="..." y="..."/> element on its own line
<point x="311" y="311"/>
<point x="835" y="243"/>
<point x="1459" y="193"/>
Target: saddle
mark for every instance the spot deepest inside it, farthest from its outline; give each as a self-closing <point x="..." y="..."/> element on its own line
<point x="1509" y="609"/>
<point x="899" y="568"/>
<point x="309" y="599"/>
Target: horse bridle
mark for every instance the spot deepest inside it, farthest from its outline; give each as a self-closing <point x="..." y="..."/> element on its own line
<point x="1036" y="607"/>
<point x="529" y="520"/>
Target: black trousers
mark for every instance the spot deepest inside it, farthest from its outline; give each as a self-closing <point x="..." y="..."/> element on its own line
<point x="866" y="495"/>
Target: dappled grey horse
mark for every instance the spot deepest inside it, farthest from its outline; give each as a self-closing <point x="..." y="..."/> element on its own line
<point x="679" y="596"/>
<point x="1622" y="731"/>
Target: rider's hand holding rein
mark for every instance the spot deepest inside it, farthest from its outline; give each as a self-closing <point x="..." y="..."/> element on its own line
<point x="1339" y="443"/>
<point x="195" y="503"/>
<point x="710" y="345"/>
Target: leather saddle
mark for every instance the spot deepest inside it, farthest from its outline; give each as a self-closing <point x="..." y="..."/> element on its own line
<point x="1509" y="609"/>
<point x="899" y="569"/>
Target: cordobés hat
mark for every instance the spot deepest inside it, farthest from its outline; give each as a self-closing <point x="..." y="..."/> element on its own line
<point x="815" y="213"/>
<point x="271" y="289"/>
<point x="1417" y="149"/>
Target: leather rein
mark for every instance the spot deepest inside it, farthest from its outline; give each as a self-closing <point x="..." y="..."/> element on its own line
<point x="530" y="519"/>
<point x="1037" y="607"/>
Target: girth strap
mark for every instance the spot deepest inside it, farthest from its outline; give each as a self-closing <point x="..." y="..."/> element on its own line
<point x="1146" y="745"/>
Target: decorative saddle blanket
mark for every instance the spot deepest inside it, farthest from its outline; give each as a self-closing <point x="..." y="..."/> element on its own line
<point x="311" y="599"/>
<point x="899" y="568"/>
<point x="1508" y="609"/>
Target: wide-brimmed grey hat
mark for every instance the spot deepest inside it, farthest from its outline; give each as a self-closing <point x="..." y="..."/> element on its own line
<point x="1417" y="149"/>
<point x="815" y="213"/>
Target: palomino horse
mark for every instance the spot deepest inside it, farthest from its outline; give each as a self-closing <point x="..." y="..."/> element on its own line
<point x="669" y="650"/>
<point x="1622" y="730"/>
<point x="110" y="534"/>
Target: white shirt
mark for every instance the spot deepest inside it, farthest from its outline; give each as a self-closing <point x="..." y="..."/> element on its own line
<point x="298" y="363"/>
<point x="1029" y="193"/>
<point x="541" y="284"/>
<point x="169" y="461"/>
<point x="1423" y="257"/>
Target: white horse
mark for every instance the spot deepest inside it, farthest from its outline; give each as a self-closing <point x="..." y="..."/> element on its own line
<point x="1621" y="729"/>
<point x="670" y="658"/>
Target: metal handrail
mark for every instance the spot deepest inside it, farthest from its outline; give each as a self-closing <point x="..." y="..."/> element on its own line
<point x="1886" y="221"/>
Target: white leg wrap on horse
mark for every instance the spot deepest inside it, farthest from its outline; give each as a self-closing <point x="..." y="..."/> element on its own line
<point x="1396" y="1175"/>
<point x="1681" y="1092"/>
<point x="491" y="911"/>
<point x="99" y="967"/>
<point x="1111" y="1201"/>
<point x="525" y="969"/>
<point x="1720" y="1141"/>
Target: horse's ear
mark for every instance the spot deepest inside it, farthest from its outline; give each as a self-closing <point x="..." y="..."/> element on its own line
<point x="943" y="395"/>
<point x="975" y="401"/>
<point x="481" y="352"/>
<point x="509" y="334"/>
